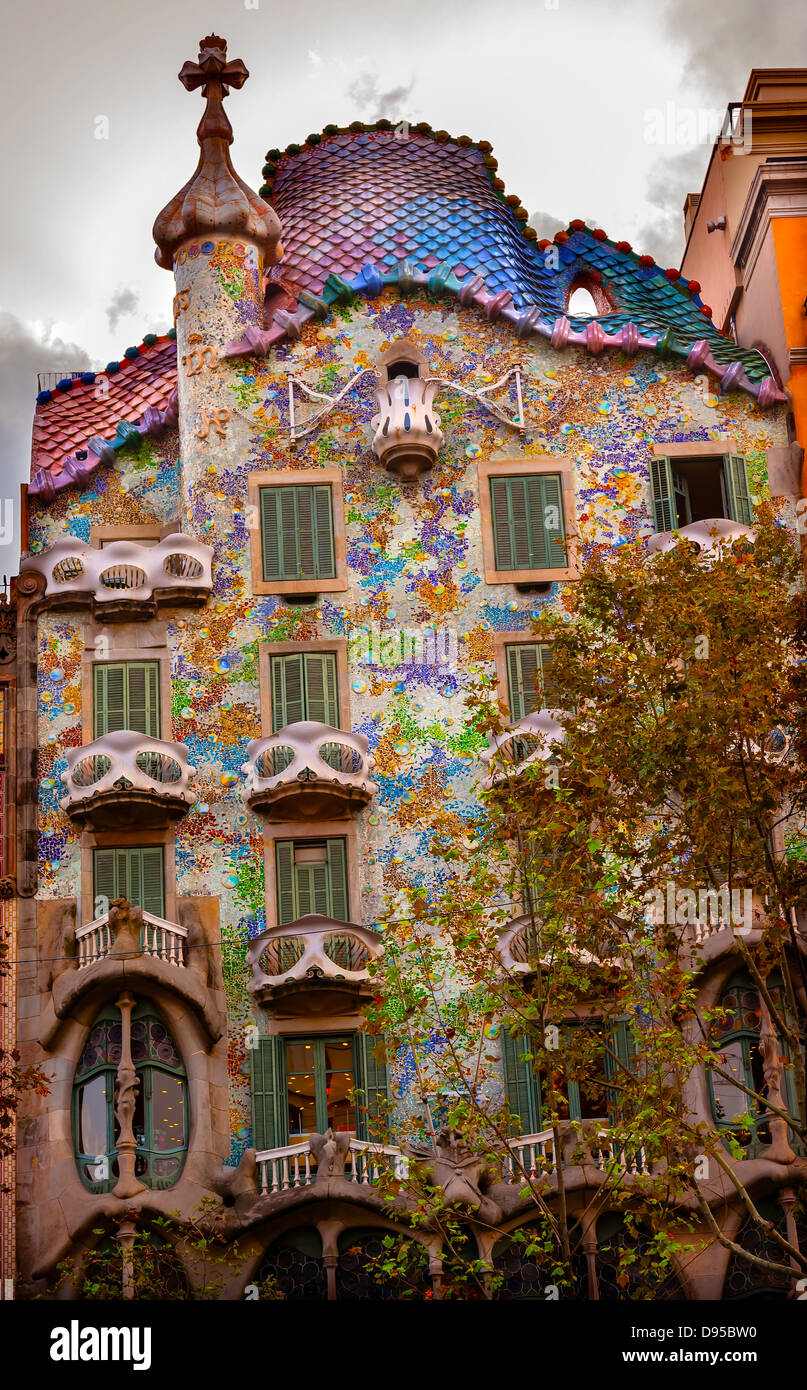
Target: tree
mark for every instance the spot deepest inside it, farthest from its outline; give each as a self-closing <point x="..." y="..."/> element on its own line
<point x="668" y="789"/>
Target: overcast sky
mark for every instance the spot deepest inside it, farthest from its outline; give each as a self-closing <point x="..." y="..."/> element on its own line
<point x="567" y="91"/>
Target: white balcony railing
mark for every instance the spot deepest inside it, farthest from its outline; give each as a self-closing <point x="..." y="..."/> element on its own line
<point x="531" y="740"/>
<point x="308" y="761"/>
<point x="158" y="938"/>
<point x="533" y="1156"/>
<point x="280" y="1170"/>
<point x="125" y="569"/>
<point x="125" y="766"/>
<point x="313" y="947"/>
<point x="707" y="535"/>
<point x="407" y="427"/>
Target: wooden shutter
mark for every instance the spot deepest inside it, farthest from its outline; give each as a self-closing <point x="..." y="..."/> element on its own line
<point x="550" y="695"/>
<point x="142" y="698"/>
<point x="109" y="713"/>
<point x="523" y="669"/>
<point x="545" y="519"/>
<point x="104" y="881"/>
<point x="372" y="1087"/>
<point x="286" y="895"/>
<point x="270" y="533"/>
<point x="623" y="1044"/>
<point x="321" y="689"/>
<point x="337" y="881"/>
<point x="737" y="489"/>
<point x="502" y="528"/>
<point x="288" y="698"/>
<point x="521" y="1083"/>
<point x="528" y="523"/>
<point x="662" y="490"/>
<point x="270" y="1122"/>
<point x="323" y="542"/>
<point x="153" y="880"/>
<point x="306" y="533"/>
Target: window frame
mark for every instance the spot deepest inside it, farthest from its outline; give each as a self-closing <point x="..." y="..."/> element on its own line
<point x="318" y="1042"/>
<point x="145" y="662"/>
<point x="128" y="849"/>
<point x="502" y="641"/>
<point x="266" y="650"/>
<point x="346" y="830"/>
<point x="294" y="842"/>
<point x="302" y="477"/>
<point x="489" y="470"/>
<point x="713" y="451"/>
<point x="747" y="1038"/>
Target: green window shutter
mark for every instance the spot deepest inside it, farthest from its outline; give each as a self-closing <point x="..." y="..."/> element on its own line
<point x="337" y="877"/>
<point x="550" y="695"/>
<point x="270" y="1122"/>
<point x="372" y="1087"/>
<point x="270" y="534"/>
<point x="104" y="881"/>
<point x="528" y="523"/>
<point x="737" y="489"/>
<point x="523" y="668"/>
<point x="502" y="528"/>
<point x="305" y="529"/>
<point x="288" y="698"/>
<point x="521" y="1084"/>
<point x="547" y="530"/>
<point x="662" y="490"/>
<point x="321" y="692"/>
<point x="286" y="895"/>
<point x="153" y="881"/>
<point x="622" y="1042"/>
<point x="312" y="889"/>
<point x="323" y="519"/>
<point x="142" y="698"/>
<point x="109" y="702"/>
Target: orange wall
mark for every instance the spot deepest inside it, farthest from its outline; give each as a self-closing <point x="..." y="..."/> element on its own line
<point x="790" y="241"/>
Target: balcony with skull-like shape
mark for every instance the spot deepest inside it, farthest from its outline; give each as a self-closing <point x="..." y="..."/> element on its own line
<point x="529" y="744"/>
<point x="314" y="966"/>
<point x="127" y="779"/>
<point x="124" y="581"/>
<point x="308" y="770"/>
<point x="407" y="427"/>
<point x="706" y="535"/>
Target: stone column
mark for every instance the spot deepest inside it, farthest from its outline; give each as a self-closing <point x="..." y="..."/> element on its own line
<point x="126" y="1089"/>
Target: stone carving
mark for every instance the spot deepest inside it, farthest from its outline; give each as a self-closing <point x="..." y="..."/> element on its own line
<point x="218" y="419"/>
<point x="463" y="1175"/>
<point x="127" y="1086"/>
<point x="331" y="1151"/>
<point x="8" y="632"/>
<point x="770" y="1050"/>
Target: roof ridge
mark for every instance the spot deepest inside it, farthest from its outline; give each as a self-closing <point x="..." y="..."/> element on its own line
<point x="131" y="354"/>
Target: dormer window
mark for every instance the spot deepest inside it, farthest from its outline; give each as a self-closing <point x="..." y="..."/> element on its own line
<point x="581" y="304"/>
<point x="586" y="298"/>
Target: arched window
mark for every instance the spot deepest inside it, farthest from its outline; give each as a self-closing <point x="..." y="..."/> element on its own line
<point x="736" y="1039"/>
<point x="295" y="1267"/>
<point x="581" y="303"/>
<point x="747" y="1280"/>
<point x="161" y="1118"/>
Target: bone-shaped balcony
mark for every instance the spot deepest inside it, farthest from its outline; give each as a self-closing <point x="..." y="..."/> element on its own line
<point x="128" y="779"/>
<point x="313" y="956"/>
<point x="408" y="436"/>
<point x="125" y="580"/>
<point x="308" y="770"/>
<point x="706" y="535"/>
<point x="528" y="743"/>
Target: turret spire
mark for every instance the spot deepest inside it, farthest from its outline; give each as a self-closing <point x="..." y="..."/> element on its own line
<point x="215" y="201"/>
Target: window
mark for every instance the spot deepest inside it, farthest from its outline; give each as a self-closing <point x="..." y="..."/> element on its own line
<point x="736" y="1041"/>
<point x="586" y="1099"/>
<point x="304" y="686"/>
<point x="685" y="490"/>
<point x="135" y="874"/>
<point x="529" y="685"/>
<point x="581" y="304"/>
<point x="311" y="877"/>
<point x="126" y="695"/>
<point x="302" y="1086"/>
<point x="528" y="529"/>
<point x="161" y="1119"/>
<point x="297" y="532"/>
<point x="527" y="511"/>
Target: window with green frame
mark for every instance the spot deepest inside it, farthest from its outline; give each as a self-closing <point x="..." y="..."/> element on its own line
<point x="736" y="1041"/>
<point x="302" y="1085"/>
<point x="126" y="695"/>
<point x="591" y="1098"/>
<point x="311" y="877"/>
<point x="161" y="1118"/>
<point x="297" y="532"/>
<point x="305" y="685"/>
<point x="529" y="531"/>
<point x="699" y="489"/>
<point x="137" y="874"/>
<point x="529" y="679"/>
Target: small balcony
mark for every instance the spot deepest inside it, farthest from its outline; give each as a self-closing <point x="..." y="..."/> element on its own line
<point x="294" y="1165"/>
<point x="407" y="427"/>
<point x="706" y="535"/>
<point x="529" y="742"/>
<point x="126" y="779"/>
<point x="316" y="963"/>
<point x="125" y="581"/>
<point x="160" y="939"/>
<point x="532" y="1156"/>
<point x="308" y="770"/>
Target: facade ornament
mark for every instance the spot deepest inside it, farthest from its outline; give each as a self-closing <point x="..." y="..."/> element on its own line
<point x="770" y="1050"/>
<point x="331" y="1151"/>
<point x="463" y="1175"/>
<point x="8" y="632"/>
<point x="127" y="1086"/>
<point x="215" y="201"/>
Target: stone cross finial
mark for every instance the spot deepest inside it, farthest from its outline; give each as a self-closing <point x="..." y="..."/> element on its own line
<point x="215" y="202"/>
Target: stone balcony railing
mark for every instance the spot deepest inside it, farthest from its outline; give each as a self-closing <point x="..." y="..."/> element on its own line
<point x="533" y="1155"/>
<point x="705" y="534"/>
<point x="407" y="427"/>
<point x="530" y="741"/>
<point x="307" y="770"/>
<point x="295" y="1165"/>
<point x="158" y="938"/>
<point x="126" y="778"/>
<point x="125" y="580"/>
<point x="312" y="952"/>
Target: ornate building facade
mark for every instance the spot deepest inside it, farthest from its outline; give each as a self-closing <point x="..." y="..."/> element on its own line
<point x="268" y="554"/>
